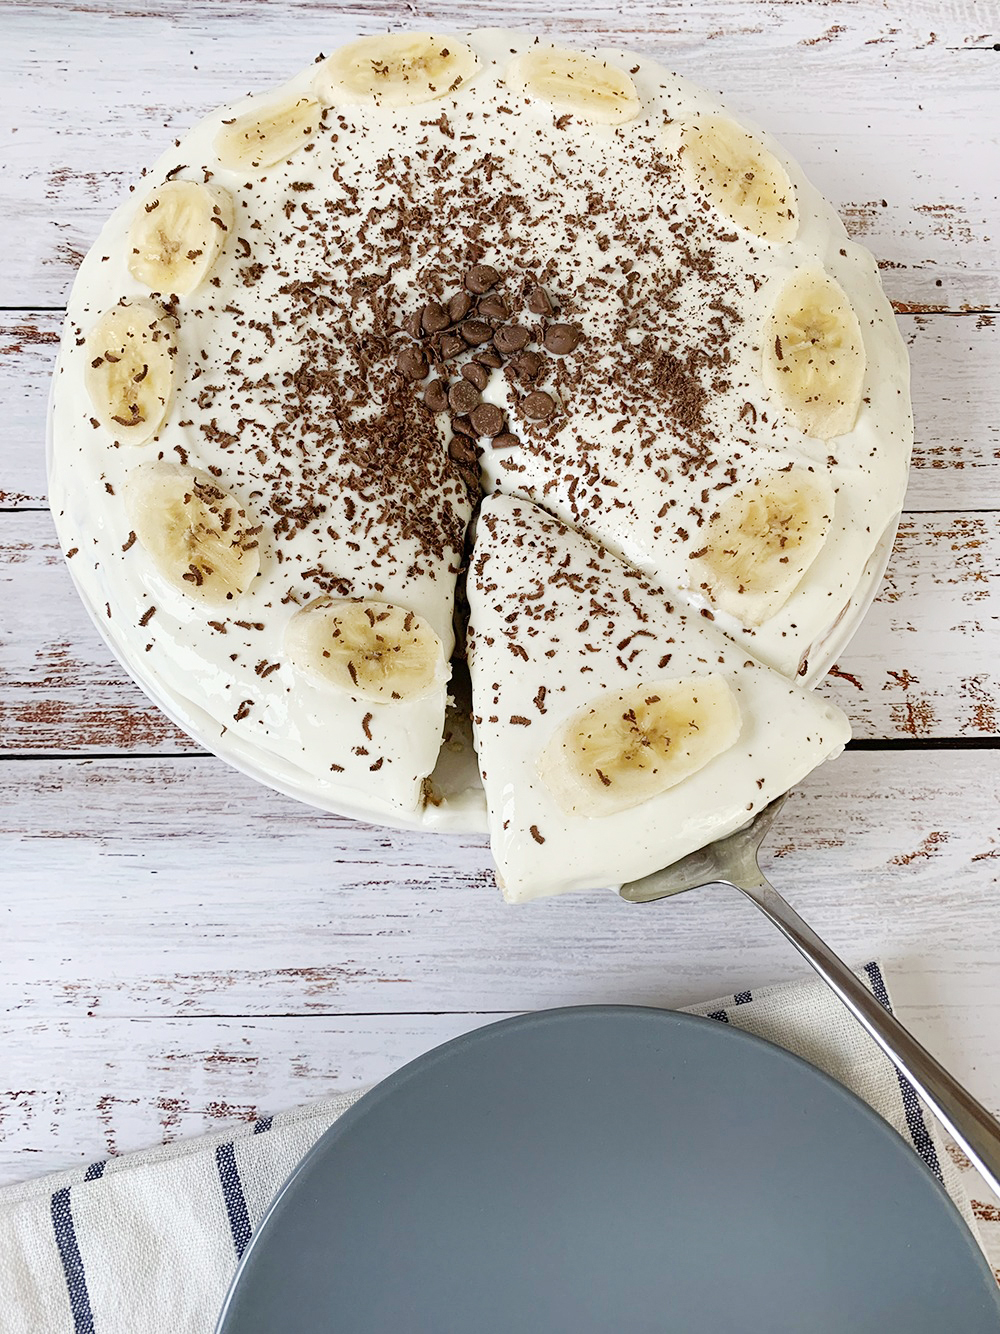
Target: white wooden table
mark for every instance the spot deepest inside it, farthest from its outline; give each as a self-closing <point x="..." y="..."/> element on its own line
<point x="180" y="948"/>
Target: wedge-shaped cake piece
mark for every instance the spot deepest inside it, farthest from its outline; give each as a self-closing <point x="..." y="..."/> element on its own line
<point x="615" y="734"/>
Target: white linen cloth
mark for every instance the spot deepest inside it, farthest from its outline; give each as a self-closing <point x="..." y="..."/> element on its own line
<point x="147" y="1243"/>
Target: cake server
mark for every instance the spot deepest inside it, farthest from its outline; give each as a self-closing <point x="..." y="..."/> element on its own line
<point x="732" y="862"/>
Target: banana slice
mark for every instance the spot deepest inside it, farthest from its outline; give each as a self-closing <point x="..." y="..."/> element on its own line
<point x="201" y="539"/>
<point x="742" y="178"/>
<point x="578" y="83"/>
<point x="130" y="370"/>
<point x="268" y="134"/>
<point x="396" y="69"/>
<point x="814" y="355"/>
<point x="369" y="650"/>
<point x="177" y="234"/>
<point x="762" y="541"/>
<point x="625" y="748"/>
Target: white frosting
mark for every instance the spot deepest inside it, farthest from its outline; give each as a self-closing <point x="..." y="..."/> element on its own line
<point x="538" y="182"/>
<point x="587" y="626"/>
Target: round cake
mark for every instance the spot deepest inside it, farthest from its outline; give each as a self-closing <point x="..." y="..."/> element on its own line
<point x="473" y="432"/>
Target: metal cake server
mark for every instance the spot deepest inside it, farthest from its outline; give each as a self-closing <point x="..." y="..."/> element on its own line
<point x="733" y="862"/>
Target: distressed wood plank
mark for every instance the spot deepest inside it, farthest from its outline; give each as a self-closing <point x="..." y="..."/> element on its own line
<point x="232" y="953"/>
<point x="877" y="107"/>
<point x="79" y="1092"/>
<point x="924" y="663"/>
<point x="206" y="894"/>
<point x="956" y="404"/>
<point x="60" y="687"/>
<point x="29" y="342"/>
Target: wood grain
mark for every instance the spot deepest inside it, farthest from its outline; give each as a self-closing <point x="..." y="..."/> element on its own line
<point x="889" y="113"/>
<point x="956" y="406"/>
<point x="925" y="663"/>
<point x="234" y="951"/>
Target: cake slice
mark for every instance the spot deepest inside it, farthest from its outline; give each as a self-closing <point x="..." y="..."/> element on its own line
<point x="614" y="734"/>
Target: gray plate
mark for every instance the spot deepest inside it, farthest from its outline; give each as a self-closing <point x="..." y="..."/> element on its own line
<point x="611" y="1170"/>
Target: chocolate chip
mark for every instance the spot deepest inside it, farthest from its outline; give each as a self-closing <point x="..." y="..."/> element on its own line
<point x="462" y="450"/>
<point x="463" y="396"/>
<point x="493" y="307"/>
<point x="527" y="366"/>
<point x="505" y="441"/>
<point x="475" y="332"/>
<point x="562" y="338"/>
<point x="488" y="419"/>
<point x="489" y="356"/>
<point x="412" y="324"/>
<point x="434" y="317"/>
<point x="412" y="363"/>
<point x="436" y="395"/>
<point x="451" y="345"/>
<point x="511" y="338"/>
<point x="538" y="302"/>
<point x="473" y="483"/>
<point x="538" y="405"/>
<point x="463" y="426"/>
<point x="480" y="278"/>
<point x="459" y="306"/>
<point x="476" y="374"/>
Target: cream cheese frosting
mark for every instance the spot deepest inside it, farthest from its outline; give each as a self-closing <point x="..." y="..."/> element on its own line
<point x="421" y="300"/>
<point x="564" y="630"/>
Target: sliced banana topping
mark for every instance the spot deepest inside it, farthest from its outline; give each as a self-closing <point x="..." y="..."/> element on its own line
<point x="814" y="355"/>
<point x="201" y="539"/>
<point x="269" y="133"/>
<point x="742" y="178"/>
<point x="178" y="233"/>
<point x="367" y="649"/>
<point x="624" y="748"/>
<point x="572" y="81"/>
<point x="130" y="369"/>
<point x="762" y="541"/>
<point x="396" y="69"/>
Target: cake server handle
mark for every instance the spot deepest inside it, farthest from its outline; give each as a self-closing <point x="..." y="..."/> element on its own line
<point x="971" y="1125"/>
<point x="733" y="862"/>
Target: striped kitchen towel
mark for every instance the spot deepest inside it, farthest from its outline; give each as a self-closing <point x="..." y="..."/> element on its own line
<point x="147" y="1243"/>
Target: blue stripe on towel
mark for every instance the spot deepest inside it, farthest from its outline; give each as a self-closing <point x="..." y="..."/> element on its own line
<point x="95" y="1171"/>
<point x="261" y="1124"/>
<point x="919" y="1133"/>
<point x="72" y="1263"/>
<point x="232" y="1194"/>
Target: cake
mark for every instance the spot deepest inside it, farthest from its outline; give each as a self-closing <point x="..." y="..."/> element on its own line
<point x="615" y="730"/>
<point x="439" y="277"/>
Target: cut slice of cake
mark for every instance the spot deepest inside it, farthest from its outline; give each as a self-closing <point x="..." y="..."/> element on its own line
<point x="614" y="734"/>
